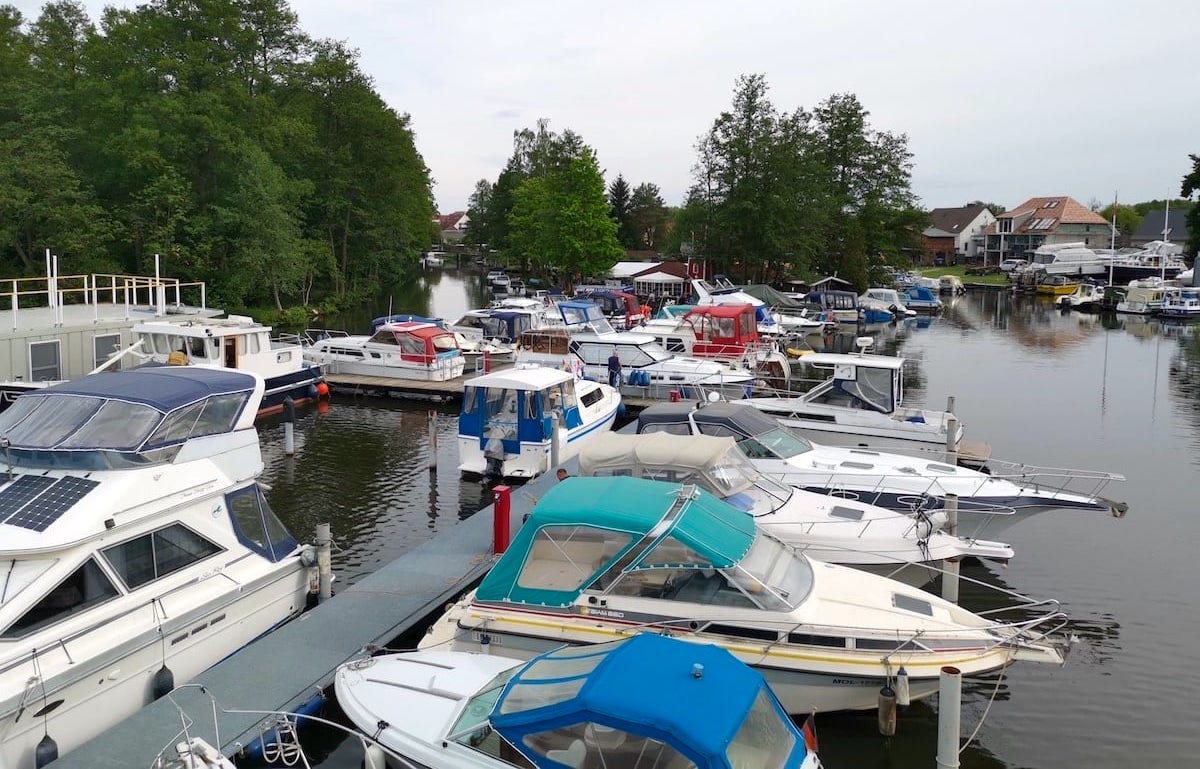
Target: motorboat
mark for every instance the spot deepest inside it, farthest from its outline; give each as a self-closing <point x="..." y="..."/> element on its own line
<point x="396" y="350"/>
<point x="986" y="503"/>
<point x="526" y="417"/>
<point x="770" y="322"/>
<point x="1086" y="296"/>
<point x="237" y="342"/>
<point x="1074" y="259"/>
<point x="890" y="298"/>
<point x="137" y="546"/>
<point x="431" y="259"/>
<point x="824" y="527"/>
<point x="922" y="299"/>
<point x="1157" y="259"/>
<point x="859" y="404"/>
<point x="612" y="704"/>
<point x="499" y="281"/>
<point x="844" y="307"/>
<point x="1055" y="285"/>
<point x="726" y="332"/>
<point x="621" y="308"/>
<point x="1181" y="303"/>
<point x="1142" y="297"/>
<point x="951" y="284"/>
<point x="586" y="340"/>
<point x="599" y="559"/>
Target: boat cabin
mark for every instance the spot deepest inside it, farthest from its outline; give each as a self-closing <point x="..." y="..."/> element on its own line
<point x="837" y="301"/>
<point x="726" y="330"/>
<point x="871" y="382"/>
<point x="421" y="343"/>
<point x="501" y="325"/>
<point x="519" y="406"/>
<point x="619" y="306"/>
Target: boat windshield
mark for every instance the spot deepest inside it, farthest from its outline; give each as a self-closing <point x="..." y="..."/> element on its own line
<point x="18" y="574"/>
<point x="777" y="578"/>
<point x="764" y="739"/>
<point x="479" y="708"/>
<point x="779" y="443"/>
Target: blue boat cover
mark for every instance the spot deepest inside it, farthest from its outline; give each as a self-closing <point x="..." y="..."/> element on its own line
<point x="162" y="387"/>
<point x="716" y="532"/>
<point x="646" y="685"/>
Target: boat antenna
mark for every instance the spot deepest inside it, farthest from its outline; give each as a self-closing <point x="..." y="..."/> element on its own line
<point x="7" y="456"/>
<point x="1112" y="244"/>
<point x="1162" y="259"/>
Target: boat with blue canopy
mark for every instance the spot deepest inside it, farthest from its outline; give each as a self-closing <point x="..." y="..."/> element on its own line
<point x="615" y="704"/>
<point x="600" y="559"/>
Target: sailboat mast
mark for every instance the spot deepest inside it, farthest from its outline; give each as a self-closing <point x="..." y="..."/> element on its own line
<point x="1162" y="258"/>
<point x="1112" y="244"/>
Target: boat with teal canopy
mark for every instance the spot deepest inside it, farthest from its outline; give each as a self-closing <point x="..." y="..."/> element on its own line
<point x="600" y="559"/>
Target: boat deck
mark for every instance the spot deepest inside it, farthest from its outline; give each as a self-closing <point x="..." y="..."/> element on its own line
<point x="286" y="668"/>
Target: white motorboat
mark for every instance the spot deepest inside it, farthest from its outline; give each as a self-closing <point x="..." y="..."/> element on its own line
<point x="726" y="332"/>
<point x="859" y="405"/>
<point x="137" y="546"/>
<point x="1086" y="296"/>
<point x="431" y="259"/>
<point x="1067" y="259"/>
<point x="825" y="527"/>
<point x="396" y="350"/>
<point x="1181" y="303"/>
<point x="986" y="503"/>
<point x="498" y="281"/>
<point x="770" y="323"/>
<point x="614" y="704"/>
<point x="585" y="342"/>
<point x="523" y="418"/>
<point x="600" y="558"/>
<point x="237" y="342"/>
<point x="1143" y="297"/>
<point x="890" y="298"/>
<point x="1157" y="259"/>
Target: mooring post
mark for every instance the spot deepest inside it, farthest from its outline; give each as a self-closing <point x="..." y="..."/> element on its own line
<point x="501" y="522"/>
<point x="950" y="566"/>
<point x="289" y="429"/>
<point x="433" y="441"/>
<point x="949" y="706"/>
<point x="952" y="440"/>
<point x="555" y="441"/>
<point x="487" y="361"/>
<point x="324" y="561"/>
<point x="950" y="404"/>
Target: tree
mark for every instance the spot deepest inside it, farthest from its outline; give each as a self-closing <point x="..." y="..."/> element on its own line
<point x="648" y="218"/>
<point x="1191" y="186"/>
<point x="1128" y="220"/>
<point x="618" y="202"/>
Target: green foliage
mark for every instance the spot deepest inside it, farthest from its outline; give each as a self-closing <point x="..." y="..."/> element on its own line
<point x="1177" y="204"/>
<point x="1128" y="220"/>
<point x="619" y="210"/>
<point x="217" y="135"/>
<point x="649" y="218"/>
<point x="1191" y="186"/>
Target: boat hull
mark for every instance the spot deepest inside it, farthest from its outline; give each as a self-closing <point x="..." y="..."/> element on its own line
<point x="534" y="457"/>
<point x="300" y="386"/>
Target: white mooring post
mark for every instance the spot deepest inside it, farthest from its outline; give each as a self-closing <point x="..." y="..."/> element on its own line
<point x="949" y="707"/>
<point x="950" y="566"/>
<point x="555" y="441"/>
<point x="324" y="562"/>
<point x="951" y="444"/>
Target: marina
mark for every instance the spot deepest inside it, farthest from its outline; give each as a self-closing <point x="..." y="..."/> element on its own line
<point x="364" y="463"/>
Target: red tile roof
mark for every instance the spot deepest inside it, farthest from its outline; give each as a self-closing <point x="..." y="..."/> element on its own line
<point x="1048" y="214"/>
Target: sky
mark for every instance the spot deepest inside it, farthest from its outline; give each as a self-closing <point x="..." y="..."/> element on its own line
<point x="1000" y="101"/>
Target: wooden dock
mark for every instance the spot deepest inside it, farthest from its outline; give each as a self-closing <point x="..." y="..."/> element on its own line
<point x="285" y="669"/>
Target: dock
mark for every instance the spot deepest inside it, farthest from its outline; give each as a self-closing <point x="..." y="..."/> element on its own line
<point x="286" y="668"/>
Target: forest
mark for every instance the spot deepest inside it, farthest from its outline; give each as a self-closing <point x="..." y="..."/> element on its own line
<point x="217" y="135"/>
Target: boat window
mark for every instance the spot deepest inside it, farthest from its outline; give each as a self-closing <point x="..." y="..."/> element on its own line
<point x="44" y="361"/>
<point x="568" y="390"/>
<point x="591" y="396"/>
<point x="18" y="574"/>
<point x="158" y="554"/>
<point x="470" y="395"/>
<point x="104" y="346"/>
<point x="197" y="348"/>
<point x="764" y="739"/>
<point x="566" y="557"/>
<point x="592" y="354"/>
<point x="589" y="744"/>
<point x="773" y="575"/>
<point x="444" y="343"/>
<point x="410" y="345"/>
<point x="872" y="388"/>
<point x="806" y="639"/>
<point x="86" y="587"/>
<point x="46" y="421"/>
<point x="848" y="513"/>
<point x="532" y="404"/>
<point x="160" y="343"/>
<point x="117" y="425"/>
<point x="252" y="343"/>
<point x="219" y="414"/>
<point x="385" y="336"/>
<point x="257" y="526"/>
<point x="777" y="443"/>
<point x="907" y="602"/>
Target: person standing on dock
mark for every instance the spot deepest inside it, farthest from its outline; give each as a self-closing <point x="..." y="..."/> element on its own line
<point x="614" y="369"/>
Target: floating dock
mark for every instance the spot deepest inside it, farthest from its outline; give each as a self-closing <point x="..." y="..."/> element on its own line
<point x="285" y="669"/>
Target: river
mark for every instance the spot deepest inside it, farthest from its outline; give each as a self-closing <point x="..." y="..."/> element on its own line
<point x="1042" y="386"/>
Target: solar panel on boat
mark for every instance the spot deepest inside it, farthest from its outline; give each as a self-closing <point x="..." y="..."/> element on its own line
<point x="20" y="491"/>
<point x="46" y="508"/>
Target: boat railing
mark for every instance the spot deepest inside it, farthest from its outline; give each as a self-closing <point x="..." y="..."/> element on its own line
<point x="1057" y="479"/>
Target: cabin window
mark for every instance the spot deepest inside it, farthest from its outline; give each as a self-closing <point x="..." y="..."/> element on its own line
<point x="155" y="555"/>
<point x="674" y="344"/>
<point x="568" y="398"/>
<point x="177" y="426"/>
<point x="588" y="744"/>
<point x="44" y="363"/>
<point x="592" y="396"/>
<point x="901" y="601"/>
<point x="410" y="345"/>
<point x="763" y="739"/>
<point x="385" y="336"/>
<point x="593" y="354"/>
<point x="117" y="425"/>
<point x="252" y="343"/>
<point x="565" y="557"/>
<point x="197" y="348"/>
<point x="219" y="414"/>
<point x="469" y="397"/>
<point x="678" y="428"/>
<point x="103" y="347"/>
<point x="88" y="586"/>
<point x="256" y="525"/>
<point x="31" y="423"/>
<point x="531" y="405"/>
<point x="444" y="343"/>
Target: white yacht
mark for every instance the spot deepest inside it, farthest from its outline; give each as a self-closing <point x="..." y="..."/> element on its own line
<point x="396" y="350"/>
<point x="987" y="503"/>
<point x="724" y="332"/>
<point x="136" y="545"/>
<point x="1067" y="259"/>
<point x="770" y="323"/>
<point x="821" y="526"/>
<point x="586" y="340"/>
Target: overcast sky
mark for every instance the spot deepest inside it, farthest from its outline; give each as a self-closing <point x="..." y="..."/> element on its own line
<point x="1000" y="101"/>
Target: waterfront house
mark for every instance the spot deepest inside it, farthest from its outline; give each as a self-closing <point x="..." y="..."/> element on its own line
<point x="1017" y="233"/>
<point x="1161" y="225"/>
<point x="955" y="234"/>
<point x="453" y="226"/>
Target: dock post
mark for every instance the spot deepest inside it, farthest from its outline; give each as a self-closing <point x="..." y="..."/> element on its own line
<point x="501" y="523"/>
<point x="949" y="705"/>
<point x="324" y="561"/>
<point x="950" y="566"/>
<point x="289" y="429"/>
<point x="950" y="404"/>
<point x="487" y="361"/>
<point x="433" y="442"/>
<point x="951" y="443"/>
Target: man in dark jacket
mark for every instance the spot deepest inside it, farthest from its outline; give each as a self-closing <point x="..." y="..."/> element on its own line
<point x="614" y="369"/>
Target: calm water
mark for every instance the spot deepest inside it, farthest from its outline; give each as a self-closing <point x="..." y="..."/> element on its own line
<point x="1066" y="390"/>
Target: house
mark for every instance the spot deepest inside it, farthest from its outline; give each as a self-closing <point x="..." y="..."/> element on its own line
<point x="1044" y="221"/>
<point x="1162" y="225"/>
<point x="452" y="226"/>
<point x="654" y="279"/>
<point x="955" y="234"/>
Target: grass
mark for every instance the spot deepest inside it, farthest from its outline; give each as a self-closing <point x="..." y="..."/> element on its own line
<point x="996" y="279"/>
